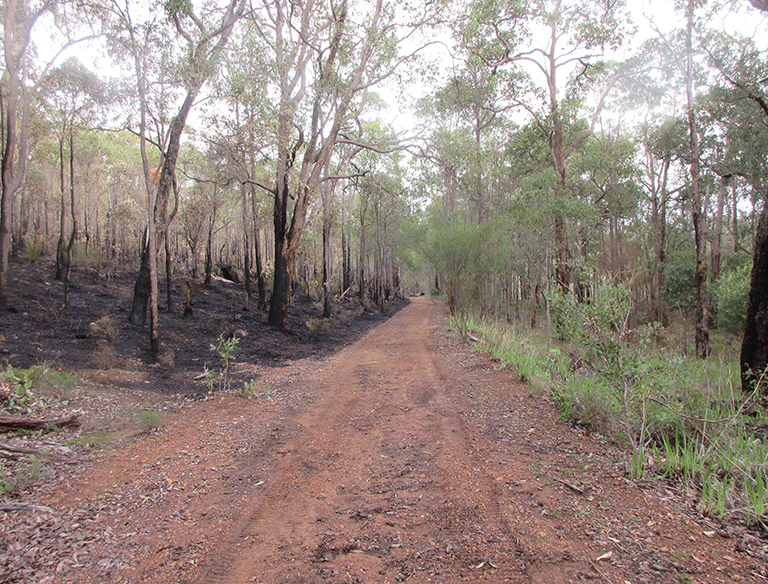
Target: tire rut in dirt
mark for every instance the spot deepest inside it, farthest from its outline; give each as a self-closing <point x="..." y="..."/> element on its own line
<point x="372" y="487"/>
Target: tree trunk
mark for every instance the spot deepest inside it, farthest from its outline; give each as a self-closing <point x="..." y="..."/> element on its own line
<point x="316" y="150"/>
<point x="659" y="223"/>
<point x="361" y="260"/>
<point x="246" y="240"/>
<point x="61" y="248"/>
<point x="168" y="275"/>
<point x="735" y="220"/>
<point x="165" y="184"/>
<point x="715" y="249"/>
<point x="699" y="218"/>
<point x="754" y="347"/>
<point x="326" y="254"/>
<point x="257" y="253"/>
<point x="557" y="151"/>
<point x="11" y="424"/>
<point x="209" y="248"/>
<point x="285" y="257"/>
<point x="15" y="141"/>
<point x="138" y="314"/>
<point x="346" y="260"/>
<point x="285" y="262"/>
<point x="73" y="209"/>
<point x="158" y="220"/>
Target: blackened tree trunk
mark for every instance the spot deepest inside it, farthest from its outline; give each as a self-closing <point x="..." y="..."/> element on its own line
<point x="15" y="119"/>
<point x="73" y="209"/>
<point x="209" y="245"/>
<point x="168" y="255"/>
<point x="61" y="246"/>
<point x="138" y="314"/>
<point x="316" y="150"/>
<point x="281" y="287"/>
<point x="754" y="347"/>
<point x="361" y="260"/>
<point x="257" y="253"/>
<point x="246" y="241"/>
<point x="168" y="275"/>
<point x="326" y="255"/>
<point x="204" y="52"/>
<point x="141" y="292"/>
<point x="346" y="260"/>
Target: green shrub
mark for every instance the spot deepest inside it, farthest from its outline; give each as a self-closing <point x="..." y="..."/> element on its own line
<point x="22" y="474"/>
<point x="150" y="420"/>
<point x="733" y="299"/>
<point x="687" y="414"/>
<point x="35" y="250"/>
<point x="226" y="349"/>
<point x="679" y="288"/>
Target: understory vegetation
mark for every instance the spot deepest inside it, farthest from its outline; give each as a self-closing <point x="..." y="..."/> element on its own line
<point x="683" y="418"/>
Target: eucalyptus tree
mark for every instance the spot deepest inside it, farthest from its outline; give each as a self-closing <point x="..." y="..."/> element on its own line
<point x="608" y="186"/>
<point x="471" y="101"/>
<point x="243" y="133"/>
<point x="744" y="70"/>
<point x="659" y="144"/>
<point x="698" y="212"/>
<point x="327" y="55"/>
<point x="328" y="190"/>
<point x="504" y="35"/>
<point x="22" y="79"/>
<point x="680" y="53"/>
<point x="200" y="35"/>
<point x="74" y="93"/>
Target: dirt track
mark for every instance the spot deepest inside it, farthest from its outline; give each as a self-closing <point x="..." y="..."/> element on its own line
<point x="402" y="458"/>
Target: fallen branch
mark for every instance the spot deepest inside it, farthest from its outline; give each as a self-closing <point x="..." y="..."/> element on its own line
<point x="8" y="507"/>
<point x="604" y="577"/>
<point x="569" y="485"/>
<point x="8" y="424"/>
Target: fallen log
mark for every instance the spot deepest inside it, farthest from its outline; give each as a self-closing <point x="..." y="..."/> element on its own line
<point x="17" y="449"/>
<point x="8" y="424"/>
<point x="16" y="453"/>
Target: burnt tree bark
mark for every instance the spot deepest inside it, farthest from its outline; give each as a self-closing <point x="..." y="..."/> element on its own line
<point x="61" y="247"/>
<point x="138" y="314"/>
<point x="754" y="347"/>
<point x="203" y="54"/>
<point x="261" y="282"/>
<point x="73" y="209"/>
<point x="320" y="142"/>
<point x="327" y="193"/>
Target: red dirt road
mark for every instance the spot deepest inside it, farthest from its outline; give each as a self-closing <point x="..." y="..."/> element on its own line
<point x="405" y="457"/>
